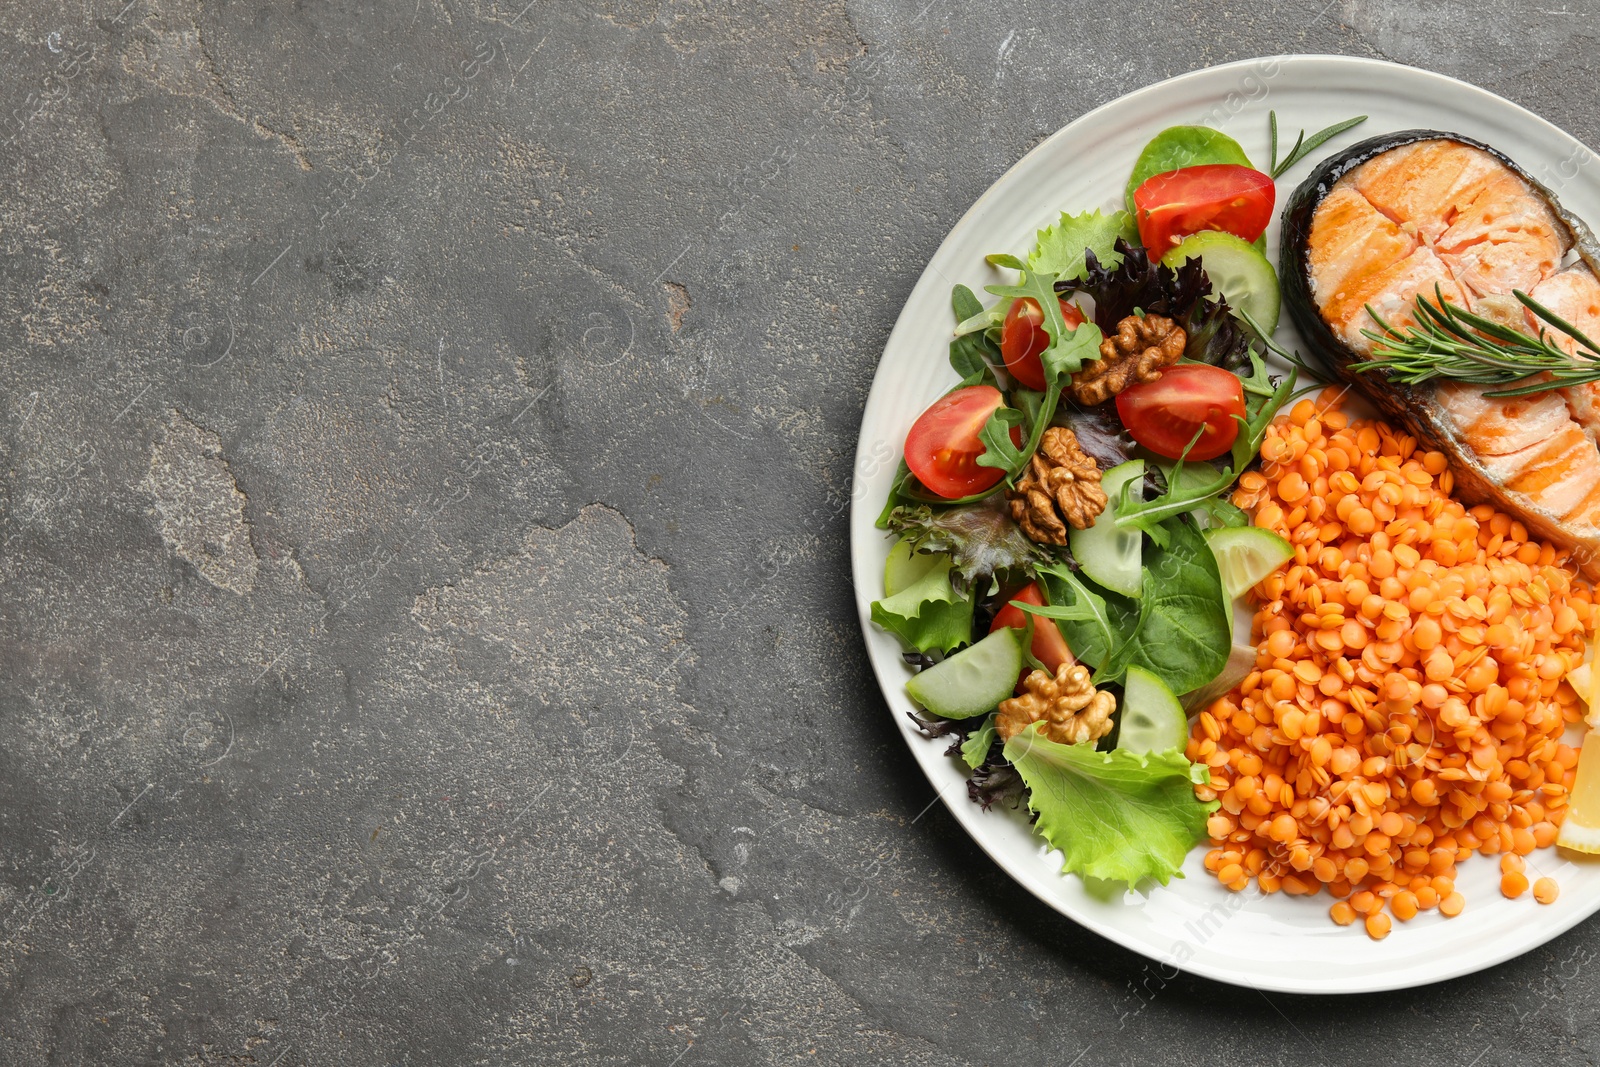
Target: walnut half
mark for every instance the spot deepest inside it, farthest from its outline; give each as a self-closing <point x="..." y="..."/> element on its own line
<point x="1073" y="711"/>
<point x="1061" y="487"/>
<point x="1139" y="351"/>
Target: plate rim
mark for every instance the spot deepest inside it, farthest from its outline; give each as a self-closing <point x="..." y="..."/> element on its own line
<point x="961" y="808"/>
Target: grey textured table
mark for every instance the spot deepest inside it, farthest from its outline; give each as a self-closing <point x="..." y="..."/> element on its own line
<point x="426" y="633"/>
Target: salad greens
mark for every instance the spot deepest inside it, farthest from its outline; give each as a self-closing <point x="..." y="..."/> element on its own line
<point x="975" y="749"/>
<point x="1060" y="248"/>
<point x="1138" y="284"/>
<point x="1180" y="628"/>
<point x="1100" y="433"/>
<point x="989" y="602"/>
<point x="980" y="538"/>
<point x="1063" y="356"/>
<point x="1113" y="815"/>
<point x="972" y="355"/>
<point x="929" y="613"/>
<point x="1177" y="147"/>
<point x="1185" y="627"/>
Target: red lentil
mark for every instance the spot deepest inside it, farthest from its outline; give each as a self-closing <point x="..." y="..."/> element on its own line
<point x="1407" y="707"/>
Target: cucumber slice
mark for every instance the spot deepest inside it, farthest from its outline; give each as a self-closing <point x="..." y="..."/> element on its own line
<point x="1237" y="270"/>
<point x="973" y="681"/>
<point x="1245" y="555"/>
<point x="1107" y="554"/>
<point x="1241" y="661"/>
<point x="1152" y="718"/>
<point x="905" y="567"/>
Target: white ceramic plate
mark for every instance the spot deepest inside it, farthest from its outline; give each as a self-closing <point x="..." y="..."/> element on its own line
<point x="1272" y="942"/>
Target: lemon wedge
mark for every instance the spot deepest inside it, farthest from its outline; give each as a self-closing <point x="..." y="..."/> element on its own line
<point x="1592" y="692"/>
<point x="1585" y="681"/>
<point x="1580" y="831"/>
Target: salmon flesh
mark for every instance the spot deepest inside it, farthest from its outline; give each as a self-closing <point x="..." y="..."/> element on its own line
<point x="1435" y="214"/>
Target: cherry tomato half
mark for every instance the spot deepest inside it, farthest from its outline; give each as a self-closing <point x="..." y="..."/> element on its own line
<point x="942" y="448"/>
<point x="1165" y="414"/>
<point x="1022" y="338"/>
<point x="1217" y="196"/>
<point x="1049" y="647"/>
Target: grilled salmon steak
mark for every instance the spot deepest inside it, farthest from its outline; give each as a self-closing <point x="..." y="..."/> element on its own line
<point x="1433" y="215"/>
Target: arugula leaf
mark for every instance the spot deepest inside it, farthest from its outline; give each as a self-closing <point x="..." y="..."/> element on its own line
<point x="929" y="613"/>
<point x="1263" y="399"/>
<point x="1058" y="249"/>
<point x="1208" y="513"/>
<point x="975" y="749"/>
<point x="1093" y="622"/>
<point x="980" y="538"/>
<point x="999" y="451"/>
<point x="1185" y="629"/>
<point x="1067" y="356"/>
<point x="1064" y="356"/>
<point x="1113" y="815"/>
<point x="1028" y="401"/>
<point x="1030" y="662"/>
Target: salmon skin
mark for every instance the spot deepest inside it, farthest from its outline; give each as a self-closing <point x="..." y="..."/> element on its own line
<point x="1420" y="213"/>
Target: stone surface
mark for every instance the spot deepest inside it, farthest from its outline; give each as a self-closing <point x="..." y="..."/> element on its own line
<point x="425" y="625"/>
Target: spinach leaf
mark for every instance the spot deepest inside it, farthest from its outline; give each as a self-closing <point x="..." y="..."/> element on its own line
<point x="965" y="302"/>
<point x="1177" y="147"/>
<point x="971" y="354"/>
<point x="1185" y="629"/>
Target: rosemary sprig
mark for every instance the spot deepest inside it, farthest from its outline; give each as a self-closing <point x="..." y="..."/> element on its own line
<point x="1447" y="341"/>
<point x="1303" y="145"/>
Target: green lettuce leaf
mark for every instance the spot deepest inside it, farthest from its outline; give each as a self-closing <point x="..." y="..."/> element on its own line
<point x="1113" y="815"/>
<point x="929" y="613"/>
<point x="1059" y="248"/>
